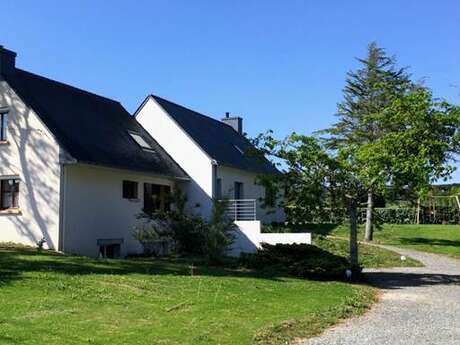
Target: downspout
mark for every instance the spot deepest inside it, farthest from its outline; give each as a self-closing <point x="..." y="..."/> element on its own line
<point x="62" y="203"/>
<point x="214" y="177"/>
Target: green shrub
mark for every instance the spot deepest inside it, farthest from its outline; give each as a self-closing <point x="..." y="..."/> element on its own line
<point x="394" y="215"/>
<point x="191" y="234"/>
<point x="300" y="260"/>
<point x="155" y="235"/>
<point x="219" y="232"/>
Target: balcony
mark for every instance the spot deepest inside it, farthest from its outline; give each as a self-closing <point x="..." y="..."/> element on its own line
<point x="242" y="209"/>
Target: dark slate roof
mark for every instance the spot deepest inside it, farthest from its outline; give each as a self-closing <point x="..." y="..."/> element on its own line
<point x="91" y="128"/>
<point x="217" y="139"/>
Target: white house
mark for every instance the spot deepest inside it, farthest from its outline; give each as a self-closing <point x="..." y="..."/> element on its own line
<point x="219" y="160"/>
<point x="76" y="168"/>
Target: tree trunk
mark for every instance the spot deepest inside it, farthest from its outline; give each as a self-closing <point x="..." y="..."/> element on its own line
<point x="369" y="232"/>
<point x="417" y="216"/>
<point x="353" y="236"/>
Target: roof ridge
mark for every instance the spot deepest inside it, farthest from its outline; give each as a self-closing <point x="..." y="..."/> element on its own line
<point x="68" y="86"/>
<point x="193" y="111"/>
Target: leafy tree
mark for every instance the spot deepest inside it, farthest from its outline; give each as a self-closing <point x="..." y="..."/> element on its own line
<point x="367" y="94"/>
<point x="405" y="143"/>
<point x="421" y="138"/>
<point x="314" y="181"/>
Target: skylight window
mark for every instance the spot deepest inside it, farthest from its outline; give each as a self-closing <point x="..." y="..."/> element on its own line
<point x="141" y="141"/>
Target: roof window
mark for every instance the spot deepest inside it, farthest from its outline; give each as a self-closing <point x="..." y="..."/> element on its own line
<point x="141" y="141"/>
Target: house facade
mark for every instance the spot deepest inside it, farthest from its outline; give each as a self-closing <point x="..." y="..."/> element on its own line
<point x="222" y="165"/>
<point x="215" y="154"/>
<point x="76" y="169"/>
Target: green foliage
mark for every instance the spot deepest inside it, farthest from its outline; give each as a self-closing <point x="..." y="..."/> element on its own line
<point x="155" y="234"/>
<point x="310" y="178"/>
<point x="300" y="260"/>
<point x="392" y="131"/>
<point x="191" y="234"/>
<point x="219" y="234"/>
<point x="394" y="215"/>
<point x="369" y="256"/>
<point x="40" y="243"/>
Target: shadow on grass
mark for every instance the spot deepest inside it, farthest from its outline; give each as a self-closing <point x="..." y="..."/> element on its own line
<point x="429" y="241"/>
<point x="14" y="262"/>
<point x="398" y="280"/>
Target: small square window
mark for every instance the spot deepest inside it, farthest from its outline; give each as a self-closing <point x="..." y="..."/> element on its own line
<point x="9" y="194"/>
<point x="110" y="248"/>
<point x="130" y="190"/>
<point x="109" y="251"/>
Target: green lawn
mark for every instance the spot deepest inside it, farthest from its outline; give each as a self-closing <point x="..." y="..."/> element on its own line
<point x="369" y="256"/>
<point x="54" y="299"/>
<point x="439" y="239"/>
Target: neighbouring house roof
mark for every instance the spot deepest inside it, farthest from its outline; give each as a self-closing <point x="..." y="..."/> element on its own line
<point x="91" y="128"/>
<point x="220" y="141"/>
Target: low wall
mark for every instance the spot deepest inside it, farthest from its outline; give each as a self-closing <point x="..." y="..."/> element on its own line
<point x="248" y="238"/>
<point x="283" y="238"/>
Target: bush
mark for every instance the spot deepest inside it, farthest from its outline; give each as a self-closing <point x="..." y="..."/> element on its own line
<point x="219" y="232"/>
<point x="394" y="215"/>
<point x="155" y="235"/>
<point x="300" y="260"/>
<point x="191" y="234"/>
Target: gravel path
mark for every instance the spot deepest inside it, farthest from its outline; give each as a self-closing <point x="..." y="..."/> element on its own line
<point x="419" y="306"/>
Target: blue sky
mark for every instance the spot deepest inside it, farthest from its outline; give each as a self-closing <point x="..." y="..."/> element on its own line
<point x="279" y="64"/>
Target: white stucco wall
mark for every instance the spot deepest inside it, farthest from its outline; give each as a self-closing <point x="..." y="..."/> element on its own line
<point x="248" y="238"/>
<point x="32" y="154"/>
<point x="183" y="149"/>
<point x="251" y="190"/>
<point x="95" y="209"/>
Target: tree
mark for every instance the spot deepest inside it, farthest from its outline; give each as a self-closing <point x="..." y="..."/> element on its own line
<point x="314" y="181"/>
<point x="368" y="93"/>
<point x="402" y="146"/>
<point x="421" y="138"/>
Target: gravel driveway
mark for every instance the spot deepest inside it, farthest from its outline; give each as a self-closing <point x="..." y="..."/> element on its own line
<point x="419" y="306"/>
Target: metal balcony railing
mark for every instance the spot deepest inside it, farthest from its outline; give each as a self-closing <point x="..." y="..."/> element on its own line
<point x="241" y="209"/>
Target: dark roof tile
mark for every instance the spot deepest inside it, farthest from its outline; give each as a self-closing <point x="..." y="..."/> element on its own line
<point x="220" y="141"/>
<point x="91" y="128"/>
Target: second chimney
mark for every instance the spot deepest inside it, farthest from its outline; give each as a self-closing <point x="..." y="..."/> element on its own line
<point x="235" y="122"/>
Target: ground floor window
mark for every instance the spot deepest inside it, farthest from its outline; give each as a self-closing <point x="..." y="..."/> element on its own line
<point x="130" y="190"/>
<point x="109" y="248"/>
<point x="156" y="197"/>
<point x="9" y="194"/>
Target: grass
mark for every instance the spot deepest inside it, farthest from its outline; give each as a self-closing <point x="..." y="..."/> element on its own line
<point x="53" y="299"/>
<point x="438" y="239"/>
<point x="369" y="256"/>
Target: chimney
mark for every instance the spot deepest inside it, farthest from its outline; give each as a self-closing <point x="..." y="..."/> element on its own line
<point x="235" y="122"/>
<point x="7" y="61"/>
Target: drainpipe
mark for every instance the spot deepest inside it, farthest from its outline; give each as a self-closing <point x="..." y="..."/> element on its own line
<point x="214" y="177"/>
